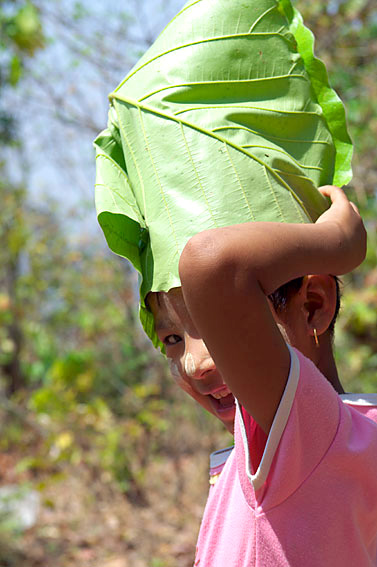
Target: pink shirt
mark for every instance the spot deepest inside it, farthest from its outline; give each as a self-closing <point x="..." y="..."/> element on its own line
<point x="312" y="501"/>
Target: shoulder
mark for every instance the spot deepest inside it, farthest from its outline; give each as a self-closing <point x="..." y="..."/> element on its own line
<point x="364" y="404"/>
<point x="304" y="427"/>
<point x="314" y="432"/>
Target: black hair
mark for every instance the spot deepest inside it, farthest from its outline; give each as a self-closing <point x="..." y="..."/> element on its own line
<point x="281" y="297"/>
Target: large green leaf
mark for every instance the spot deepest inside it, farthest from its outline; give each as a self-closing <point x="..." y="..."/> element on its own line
<point x="227" y="118"/>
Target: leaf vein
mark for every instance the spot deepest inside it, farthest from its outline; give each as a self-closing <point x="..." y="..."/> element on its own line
<point x="291" y="174"/>
<point x="298" y="209"/>
<point x="197" y="175"/>
<point x="293" y="140"/>
<point x="135" y="162"/>
<point x="198" y="42"/>
<point x="116" y="166"/>
<point x="303" y="166"/>
<point x="240" y="182"/>
<point x="246" y="107"/>
<point x="211" y="83"/>
<point x="112" y="190"/>
<point x="261" y="17"/>
<point x="158" y="179"/>
<point x="274" y="195"/>
<point x="211" y="133"/>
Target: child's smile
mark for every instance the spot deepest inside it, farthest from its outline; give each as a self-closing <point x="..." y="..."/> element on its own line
<point x="222" y="401"/>
<point x="190" y="362"/>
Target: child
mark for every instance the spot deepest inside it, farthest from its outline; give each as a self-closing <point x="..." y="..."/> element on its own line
<point x="216" y="144"/>
<point x="300" y="486"/>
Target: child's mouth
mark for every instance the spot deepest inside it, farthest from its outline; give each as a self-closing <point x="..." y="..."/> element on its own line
<point x="222" y="403"/>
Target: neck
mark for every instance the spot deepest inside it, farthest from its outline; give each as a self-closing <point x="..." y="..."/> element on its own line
<point x="324" y="360"/>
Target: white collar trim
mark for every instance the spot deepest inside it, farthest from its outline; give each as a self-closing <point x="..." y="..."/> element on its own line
<point x="359" y="399"/>
<point x="278" y="425"/>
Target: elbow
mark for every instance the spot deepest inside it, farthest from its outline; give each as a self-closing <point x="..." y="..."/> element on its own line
<point x="213" y="268"/>
<point x="203" y="260"/>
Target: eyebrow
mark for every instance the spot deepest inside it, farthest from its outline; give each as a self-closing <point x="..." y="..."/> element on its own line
<point x="163" y="324"/>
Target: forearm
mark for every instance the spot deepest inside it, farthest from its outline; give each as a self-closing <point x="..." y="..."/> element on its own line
<point x="272" y="253"/>
<point x="275" y="253"/>
<point x="226" y="274"/>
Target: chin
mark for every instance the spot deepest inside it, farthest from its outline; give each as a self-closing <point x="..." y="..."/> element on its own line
<point x="227" y="420"/>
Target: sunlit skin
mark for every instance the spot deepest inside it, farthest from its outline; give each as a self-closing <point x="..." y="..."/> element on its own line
<point x="177" y="332"/>
<point x="227" y="275"/>
<point x="192" y="365"/>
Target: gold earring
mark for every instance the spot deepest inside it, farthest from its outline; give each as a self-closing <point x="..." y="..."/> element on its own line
<point x="316" y="337"/>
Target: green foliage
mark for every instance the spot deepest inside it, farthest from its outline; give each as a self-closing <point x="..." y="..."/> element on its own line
<point x="87" y="376"/>
<point x="83" y="387"/>
<point x="20" y="37"/>
<point x="357" y="336"/>
<point x="346" y="38"/>
<point x="111" y="428"/>
<point x="21" y="29"/>
<point x="11" y="525"/>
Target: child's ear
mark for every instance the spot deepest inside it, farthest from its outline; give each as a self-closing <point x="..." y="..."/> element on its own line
<point x="319" y="297"/>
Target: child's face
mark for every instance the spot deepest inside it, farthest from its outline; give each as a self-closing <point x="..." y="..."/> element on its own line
<point x="190" y="362"/>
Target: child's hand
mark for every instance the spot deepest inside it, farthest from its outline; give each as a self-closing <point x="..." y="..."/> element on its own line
<point x="352" y="234"/>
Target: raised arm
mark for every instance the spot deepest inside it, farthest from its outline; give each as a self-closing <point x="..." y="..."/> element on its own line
<point x="226" y="275"/>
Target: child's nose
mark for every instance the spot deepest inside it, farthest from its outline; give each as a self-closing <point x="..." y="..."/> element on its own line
<point x="198" y="364"/>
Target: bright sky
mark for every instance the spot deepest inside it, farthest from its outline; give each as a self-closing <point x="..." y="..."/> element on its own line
<point x="63" y="101"/>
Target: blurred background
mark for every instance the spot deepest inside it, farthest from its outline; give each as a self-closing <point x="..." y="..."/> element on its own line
<point x="103" y="461"/>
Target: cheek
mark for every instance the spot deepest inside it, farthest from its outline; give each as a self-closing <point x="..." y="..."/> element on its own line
<point x="186" y="387"/>
<point x="190" y="368"/>
<point x="178" y="378"/>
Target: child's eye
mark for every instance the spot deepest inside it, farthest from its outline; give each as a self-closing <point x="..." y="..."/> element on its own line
<point x="171" y="340"/>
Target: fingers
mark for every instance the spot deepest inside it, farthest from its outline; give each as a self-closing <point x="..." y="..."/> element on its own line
<point x="333" y="192"/>
<point x="354" y="207"/>
<point x="337" y="194"/>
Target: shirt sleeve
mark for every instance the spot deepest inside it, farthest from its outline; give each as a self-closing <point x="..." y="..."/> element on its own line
<point x="303" y="429"/>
